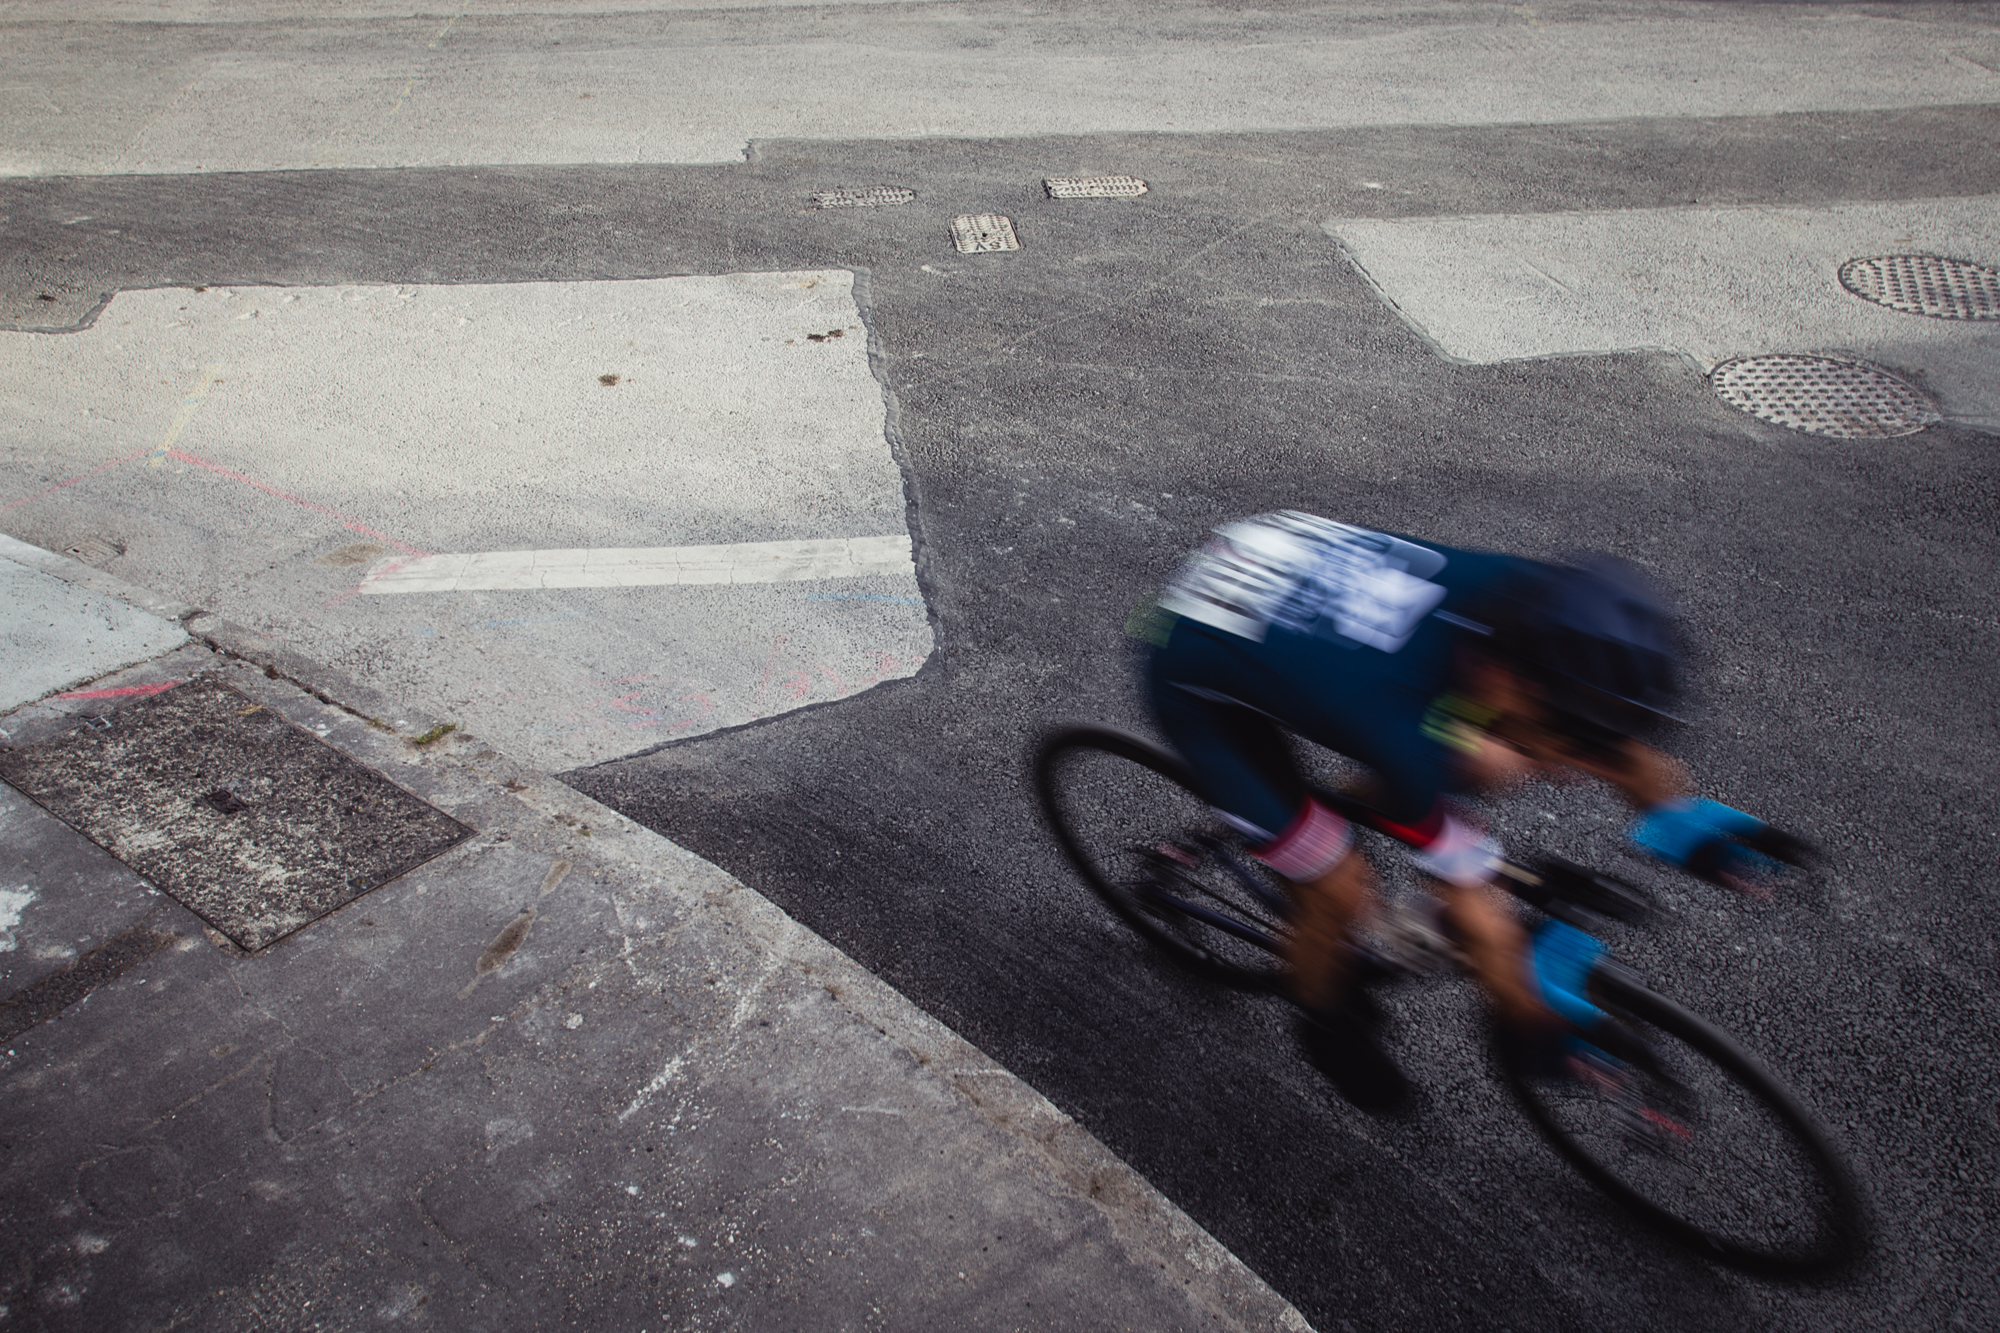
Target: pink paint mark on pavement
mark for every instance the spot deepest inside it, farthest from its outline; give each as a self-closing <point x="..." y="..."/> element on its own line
<point x="119" y="692"/>
<point x="388" y="567"/>
<point x="770" y="664"/>
<point x="352" y="525"/>
<point x="707" y="702"/>
<point x="85" y="476"/>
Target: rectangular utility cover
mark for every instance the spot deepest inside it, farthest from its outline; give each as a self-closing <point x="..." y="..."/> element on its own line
<point x="1094" y="187"/>
<point x="864" y="196"/>
<point x="983" y="233"/>
<point x="255" y="825"/>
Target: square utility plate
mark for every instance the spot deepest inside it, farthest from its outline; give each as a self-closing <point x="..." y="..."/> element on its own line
<point x="253" y="824"/>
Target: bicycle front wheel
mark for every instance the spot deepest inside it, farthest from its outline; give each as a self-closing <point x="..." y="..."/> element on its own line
<point x="1124" y="811"/>
<point x="1690" y="1133"/>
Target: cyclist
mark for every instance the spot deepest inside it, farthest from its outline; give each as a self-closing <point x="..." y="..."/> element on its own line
<point x="1442" y="671"/>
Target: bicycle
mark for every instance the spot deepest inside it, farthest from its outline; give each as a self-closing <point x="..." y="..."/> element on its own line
<point x="1659" y="1109"/>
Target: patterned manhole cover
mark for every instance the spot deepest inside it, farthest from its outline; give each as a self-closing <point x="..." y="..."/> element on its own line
<point x="1824" y="396"/>
<point x="1925" y="285"/>
<point x="869" y="196"/>
<point x="1094" y="187"/>
<point x="983" y="233"/>
<point x="251" y="823"/>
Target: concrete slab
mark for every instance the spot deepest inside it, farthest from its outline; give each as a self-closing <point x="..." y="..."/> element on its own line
<point x="566" y="1073"/>
<point x="1708" y="283"/>
<point x="319" y="431"/>
<point x="55" y="633"/>
<point x="315" y="91"/>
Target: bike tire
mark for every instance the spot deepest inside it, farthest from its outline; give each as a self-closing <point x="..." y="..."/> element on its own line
<point x="1707" y="1146"/>
<point x="1125" y="813"/>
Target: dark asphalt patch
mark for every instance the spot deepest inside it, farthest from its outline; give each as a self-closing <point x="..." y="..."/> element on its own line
<point x="252" y="823"/>
<point x="44" y="999"/>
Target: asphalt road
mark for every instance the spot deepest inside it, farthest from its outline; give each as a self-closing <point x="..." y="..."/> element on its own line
<point x="1070" y="417"/>
<point x="1073" y="416"/>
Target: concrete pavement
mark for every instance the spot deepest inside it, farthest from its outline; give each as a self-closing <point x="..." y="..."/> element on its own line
<point x="288" y="88"/>
<point x="563" y="1075"/>
<point x="396" y="423"/>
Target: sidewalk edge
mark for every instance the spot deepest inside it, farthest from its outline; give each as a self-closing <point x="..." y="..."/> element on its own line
<point x="1151" y="1229"/>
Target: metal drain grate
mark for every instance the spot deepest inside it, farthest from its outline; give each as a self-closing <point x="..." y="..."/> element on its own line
<point x="983" y="233"/>
<point x="1925" y="285"/>
<point x="867" y="196"/>
<point x="1848" y="400"/>
<point x="1094" y="187"/>
<point x="250" y="822"/>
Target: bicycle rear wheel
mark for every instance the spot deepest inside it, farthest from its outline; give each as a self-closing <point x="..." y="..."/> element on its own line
<point x="1691" y="1134"/>
<point x="1124" y="811"/>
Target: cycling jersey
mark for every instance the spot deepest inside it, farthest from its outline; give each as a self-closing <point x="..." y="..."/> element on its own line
<point x="1341" y="635"/>
<point x="1310" y="576"/>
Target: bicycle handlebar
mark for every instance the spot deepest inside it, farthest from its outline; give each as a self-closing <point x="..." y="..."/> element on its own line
<point x="1549" y="882"/>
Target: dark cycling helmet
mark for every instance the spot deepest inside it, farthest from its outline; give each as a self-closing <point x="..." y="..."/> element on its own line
<point x="1599" y="639"/>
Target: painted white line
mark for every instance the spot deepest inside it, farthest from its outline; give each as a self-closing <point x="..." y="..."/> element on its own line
<point x="644" y="567"/>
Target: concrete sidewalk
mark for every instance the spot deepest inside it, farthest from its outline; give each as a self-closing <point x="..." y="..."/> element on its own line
<point x="564" y="1074"/>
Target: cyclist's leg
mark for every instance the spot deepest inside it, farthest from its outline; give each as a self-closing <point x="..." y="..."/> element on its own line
<point x="1243" y="766"/>
<point x="1325" y="910"/>
<point x="1496" y="947"/>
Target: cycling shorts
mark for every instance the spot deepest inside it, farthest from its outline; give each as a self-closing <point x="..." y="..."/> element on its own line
<point x="1226" y="704"/>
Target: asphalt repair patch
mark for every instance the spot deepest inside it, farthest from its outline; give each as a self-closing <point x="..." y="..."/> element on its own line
<point x="253" y="824"/>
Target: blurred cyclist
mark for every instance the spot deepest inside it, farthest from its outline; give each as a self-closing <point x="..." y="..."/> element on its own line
<point x="1441" y="671"/>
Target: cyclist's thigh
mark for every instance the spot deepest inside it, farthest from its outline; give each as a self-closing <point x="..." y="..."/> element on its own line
<point x="1364" y="704"/>
<point x="1241" y="760"/>
<point x="1353" y="701"/>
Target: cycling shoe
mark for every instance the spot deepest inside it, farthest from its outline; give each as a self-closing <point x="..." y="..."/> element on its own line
<point x="1540" y="1052"/>
<point x="1343" y="1047"/>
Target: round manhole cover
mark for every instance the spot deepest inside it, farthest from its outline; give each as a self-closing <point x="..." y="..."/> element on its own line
<point x="1925" y="285"/>
<point x="1823" y="396"/>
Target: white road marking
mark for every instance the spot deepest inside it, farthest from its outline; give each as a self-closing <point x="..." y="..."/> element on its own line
<point x="642" y="567"/>
<point x="1710" y="283"/>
